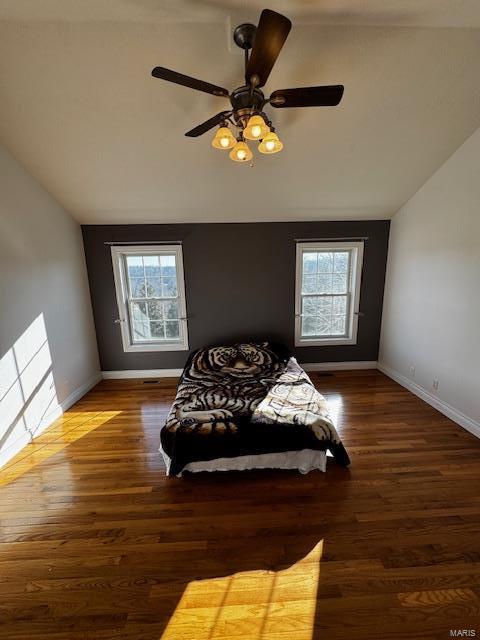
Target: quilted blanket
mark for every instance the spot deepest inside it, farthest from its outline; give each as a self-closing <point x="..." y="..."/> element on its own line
<point x="294" y="400"/>
<point x="246" y="399"/>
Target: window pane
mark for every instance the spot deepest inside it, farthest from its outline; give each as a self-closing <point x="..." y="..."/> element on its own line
<point x="325" y="326"/>
<point x="157" y="330"/>
<point x="139" y="312"/>
<point x="135" y="266"/>
<point x="340" y="263"/>
<point x="317" y="315"/>
<point x="141" y="331"/>
<point x="155" y="309"/>
<point x="152" y="276"/>
<point x="339" y="305"/>
<point x="137" y="287"/>
<point x="338" y="325"/>
<point x="339" y="283"/>
<point x="310" y="306"/>
<point x="325" y="262"/>
<point x="154" y="287"/>
<point x="309" y="326"/>
<point x="324" y="316"/>
<point x="171" y="309"/>
<point x="168" y="266"/>
<point x="172" y="329"/>
<point x="325" y="306"/>
<point x="309" y="263"/>
<point x="324" y="283"/>
<point x="309" y="284"/>
<point x="152" y="266"/>
<point x="316" y="318"/>
<point x="169" y="287"/>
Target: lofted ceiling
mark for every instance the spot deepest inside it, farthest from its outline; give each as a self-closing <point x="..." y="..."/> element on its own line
<point x="405" y="13"/>
<point x="79" y="108"/>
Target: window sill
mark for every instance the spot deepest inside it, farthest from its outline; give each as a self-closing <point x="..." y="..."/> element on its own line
<point x="315" y="342"/>
<point x="143" y="348"/>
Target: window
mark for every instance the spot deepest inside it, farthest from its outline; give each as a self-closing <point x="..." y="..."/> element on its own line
<point x="327" y="293"/>
<point x="151" y="297"/>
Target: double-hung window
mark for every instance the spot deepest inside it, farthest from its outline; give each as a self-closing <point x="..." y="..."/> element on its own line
<point x="327" y="293"/>
<point x="150" y="292"/>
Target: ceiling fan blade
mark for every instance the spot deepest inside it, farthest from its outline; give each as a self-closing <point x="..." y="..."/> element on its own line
<point x="328" y="96"/>
<point x="208" y="124"/>
<point x="272" y="31"/>
<point x="187" y="81"/>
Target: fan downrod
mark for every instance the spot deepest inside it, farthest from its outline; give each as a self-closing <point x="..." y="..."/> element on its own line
<point x="244" y="35"/>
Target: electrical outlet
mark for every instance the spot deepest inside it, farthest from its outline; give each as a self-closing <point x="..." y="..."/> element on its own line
<point x="435" y="384"/>
<point x="412" y="371"/>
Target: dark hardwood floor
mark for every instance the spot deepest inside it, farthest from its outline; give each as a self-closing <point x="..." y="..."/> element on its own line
<point x="96" y="543"/>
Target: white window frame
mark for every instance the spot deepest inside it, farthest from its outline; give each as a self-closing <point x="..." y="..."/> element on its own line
<point x="353" y="301"/>
<point x="119" y="254"/>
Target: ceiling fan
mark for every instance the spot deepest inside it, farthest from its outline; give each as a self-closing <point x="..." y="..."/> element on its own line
<point x="262" y="45"/>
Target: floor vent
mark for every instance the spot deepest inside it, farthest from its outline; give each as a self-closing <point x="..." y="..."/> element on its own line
<point x="151" y="381"/>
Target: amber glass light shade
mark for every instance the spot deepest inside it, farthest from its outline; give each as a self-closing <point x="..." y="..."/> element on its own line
<point x="223" y="139"/>
<point x="241" y="152"/>
<point x="256" y="128"/>
<point x="270" y="143"/>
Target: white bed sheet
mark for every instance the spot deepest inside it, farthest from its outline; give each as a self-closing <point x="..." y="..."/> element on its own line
<point x="304" y="461"/>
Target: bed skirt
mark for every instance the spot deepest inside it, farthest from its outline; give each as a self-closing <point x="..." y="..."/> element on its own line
<point x="304" y="461"/>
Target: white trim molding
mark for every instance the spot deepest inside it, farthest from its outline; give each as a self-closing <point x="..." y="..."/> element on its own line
<point x="78" y="393"/>
<point x="339" y="366"/>
<point x="454" y="414"/>
<point x="176" y="373"/>
<point x="141" y="373"/>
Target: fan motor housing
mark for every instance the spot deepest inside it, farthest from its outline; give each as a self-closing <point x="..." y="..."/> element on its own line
<point x="246" y="98"/>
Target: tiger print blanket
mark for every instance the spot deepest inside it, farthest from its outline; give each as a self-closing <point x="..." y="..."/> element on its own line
<point x="245" y="399"/>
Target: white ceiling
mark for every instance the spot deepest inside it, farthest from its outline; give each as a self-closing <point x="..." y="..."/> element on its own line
<point x="406" y="13"/>
<point x="79" y="108"/>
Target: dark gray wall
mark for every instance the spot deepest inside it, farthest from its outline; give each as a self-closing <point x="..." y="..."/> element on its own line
<point x="240" y="285"/>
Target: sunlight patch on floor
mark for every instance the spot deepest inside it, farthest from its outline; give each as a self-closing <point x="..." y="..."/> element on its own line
<point x="64" y="431"/>
<point x="252" y="605"/>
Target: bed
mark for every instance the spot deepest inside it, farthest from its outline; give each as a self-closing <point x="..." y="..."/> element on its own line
<point x="247" y="406"/>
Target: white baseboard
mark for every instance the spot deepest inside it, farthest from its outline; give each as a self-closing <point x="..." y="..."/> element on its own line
<point x="80" y="392"/>
<point x="175" y="373"/>
<point x="141" y="373"/>
<point x="339" y="366"/>
<point x="454" y="414"/>
<point x="56" y="411"/>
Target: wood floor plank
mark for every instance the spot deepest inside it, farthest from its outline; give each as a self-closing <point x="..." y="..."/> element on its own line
<point x="97" y="544"/>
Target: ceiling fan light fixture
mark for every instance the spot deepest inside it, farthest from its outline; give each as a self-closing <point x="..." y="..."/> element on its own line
<point x="271" y="143"/>
<point x="224" y="139"/>
<point x="261" y="45"/>
<point x="241" y="152"/>
<point x="256" y="128"/>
